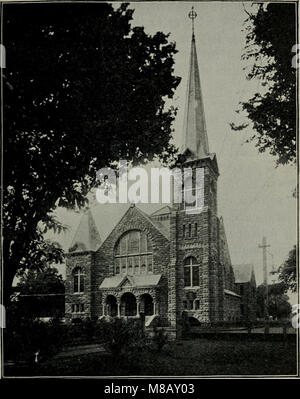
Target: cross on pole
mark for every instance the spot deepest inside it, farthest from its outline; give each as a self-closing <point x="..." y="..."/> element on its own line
<point x="192" y="15"/>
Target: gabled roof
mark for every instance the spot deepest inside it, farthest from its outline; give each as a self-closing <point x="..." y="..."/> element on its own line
<point x="97" y="224"/>
<point x="243" y="273"/>
<point x="143" y="280"/>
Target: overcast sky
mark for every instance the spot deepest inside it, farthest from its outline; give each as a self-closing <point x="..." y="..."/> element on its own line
<point x="254" y="197"/>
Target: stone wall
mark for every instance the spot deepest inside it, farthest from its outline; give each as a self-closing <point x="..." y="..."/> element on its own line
<point x="104" y="257"/>
<point x="230" y="306"/>
<point x="196" y="235"/>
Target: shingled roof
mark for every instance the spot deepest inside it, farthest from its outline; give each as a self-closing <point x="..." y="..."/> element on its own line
<point x="242" y="273"/>
<point x="134" y="281"/>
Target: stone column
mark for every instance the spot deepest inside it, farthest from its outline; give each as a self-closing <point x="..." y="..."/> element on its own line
<point x="103" y="309"/>
<point x="119" y="308"/>
<point x="138" y="307"/>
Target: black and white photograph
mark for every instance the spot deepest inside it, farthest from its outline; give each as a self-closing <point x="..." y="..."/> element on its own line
<point x="149" y="191"/>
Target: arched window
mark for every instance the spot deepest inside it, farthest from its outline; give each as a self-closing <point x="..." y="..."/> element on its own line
<point x="133" y="254"/>
<point x="78" y="280"/>
<point x="191" y="272"/>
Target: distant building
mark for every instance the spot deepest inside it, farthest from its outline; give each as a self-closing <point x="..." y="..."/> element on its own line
<point x="165" y="263"/>
<point x="246" y="287"/>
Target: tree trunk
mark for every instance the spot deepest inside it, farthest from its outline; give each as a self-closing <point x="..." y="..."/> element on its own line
<point x="8" y="277"/>
<point x="9" y="271"/>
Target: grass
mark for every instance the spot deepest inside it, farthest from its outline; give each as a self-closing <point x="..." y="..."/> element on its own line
<point x="197" y="357"/>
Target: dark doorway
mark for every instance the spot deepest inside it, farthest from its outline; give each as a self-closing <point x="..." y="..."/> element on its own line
<point x="146" y="306"/>
<point x="111" y="306"/>
<point x="128" y="305"/>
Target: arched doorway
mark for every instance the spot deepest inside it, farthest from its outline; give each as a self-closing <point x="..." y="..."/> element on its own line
<point x="128" y="305"/>
<point x="111" y="306"/>
<point x="146" y="305"/>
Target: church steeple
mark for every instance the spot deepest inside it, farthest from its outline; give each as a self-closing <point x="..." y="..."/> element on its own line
<point x="194" y="131"/>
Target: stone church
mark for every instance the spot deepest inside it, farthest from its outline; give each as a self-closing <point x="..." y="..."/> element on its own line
<point x="169" y="264"/>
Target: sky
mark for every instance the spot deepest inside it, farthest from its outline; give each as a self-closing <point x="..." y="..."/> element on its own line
<point x="254" y="196"/>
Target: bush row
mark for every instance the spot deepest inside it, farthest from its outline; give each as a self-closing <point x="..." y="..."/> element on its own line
<point x="22" y="340"/>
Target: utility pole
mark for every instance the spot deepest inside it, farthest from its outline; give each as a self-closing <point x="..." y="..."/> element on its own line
<point x="264" y="247"/>
<point x="273" y="271"/>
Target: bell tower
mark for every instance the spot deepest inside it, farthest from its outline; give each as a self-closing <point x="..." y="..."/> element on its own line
<point x="195" y="232"/>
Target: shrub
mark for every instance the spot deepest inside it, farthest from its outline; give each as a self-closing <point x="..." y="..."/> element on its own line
<point x="160" y="339"/>
<point x="26" y="336"/>
<point x="120" y="336"/>
<point x="89" y="328"/>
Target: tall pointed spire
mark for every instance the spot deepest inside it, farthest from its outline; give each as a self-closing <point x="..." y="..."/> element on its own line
<point x="194" y="131"/>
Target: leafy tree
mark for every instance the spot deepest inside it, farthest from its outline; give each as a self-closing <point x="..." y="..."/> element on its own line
<point x="271" y="34"/>
<point x="279" y="306"/>
<point x="288" y="273"/>
<point x="278" y="303"/>
<point x="42" y="292"/>
<point x="82" y="89"/>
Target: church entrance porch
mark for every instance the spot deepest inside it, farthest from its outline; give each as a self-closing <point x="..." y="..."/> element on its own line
<point x="130" y="296"/>
<point x="128" y="304"/>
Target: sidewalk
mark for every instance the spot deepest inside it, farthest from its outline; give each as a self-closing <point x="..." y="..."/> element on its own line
<point x="244" y="330"/>
<point x="79" y="350"/>
<point x="258" y="330"/>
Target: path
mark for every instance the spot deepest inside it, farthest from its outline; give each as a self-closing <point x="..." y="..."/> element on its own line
<point x="80" y="350"/>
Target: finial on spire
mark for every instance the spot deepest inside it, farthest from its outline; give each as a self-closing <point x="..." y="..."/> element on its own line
<point x="192" y="15"/>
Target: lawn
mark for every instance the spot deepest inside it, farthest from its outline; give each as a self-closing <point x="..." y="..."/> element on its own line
<point x="197" y="357"/>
